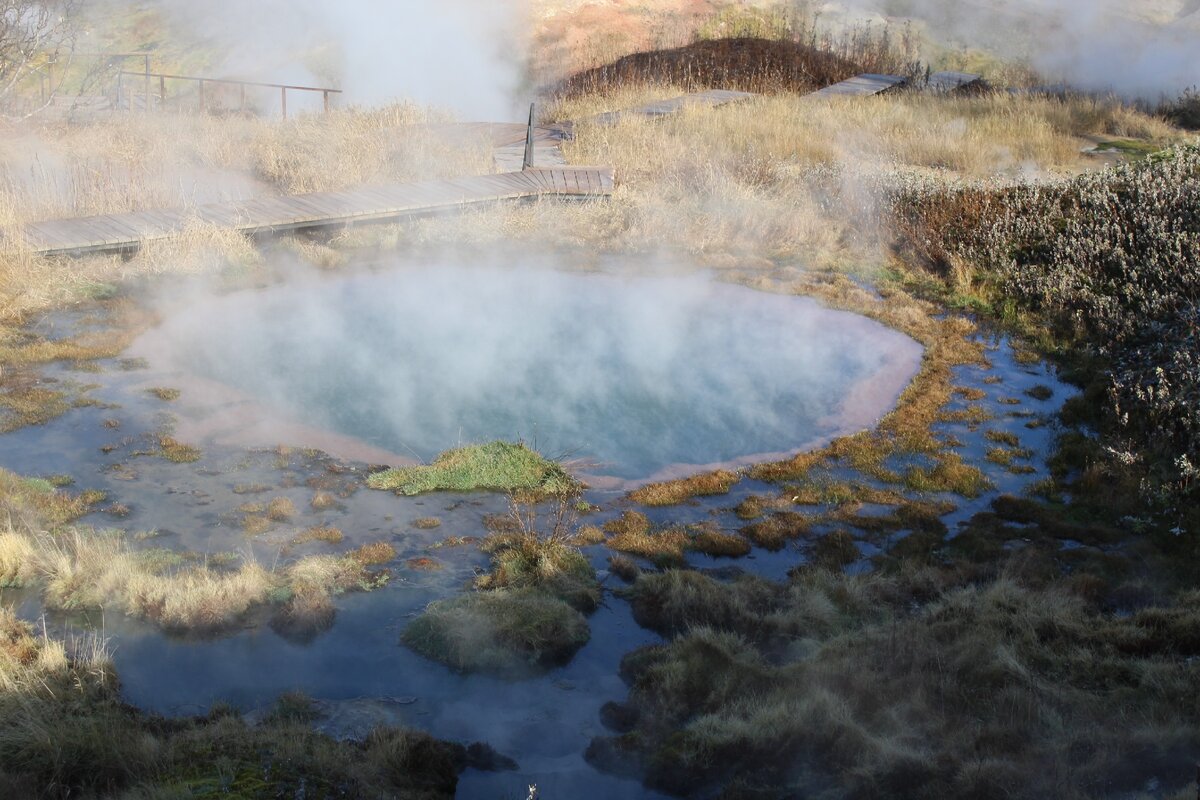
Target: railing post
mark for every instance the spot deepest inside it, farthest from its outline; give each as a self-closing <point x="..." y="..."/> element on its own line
<point x="283" y="100"/>
<point x="147" y="66"/>
<point x="162" y="92"/>
<point x="527" y="162"/>
<point x="242" y="104"/>
<point x="202" y="104"/>
<point x="325" y="97"/>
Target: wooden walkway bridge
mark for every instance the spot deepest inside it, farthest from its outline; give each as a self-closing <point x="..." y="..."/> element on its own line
<point x="319" y="209"/>
<point x="515" y="180"/>
<point x="862" y="86"/>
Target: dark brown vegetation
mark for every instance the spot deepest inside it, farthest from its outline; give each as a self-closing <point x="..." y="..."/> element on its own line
<point x="751" y="65"/>
<point x="792" y="56"/>
<point x="1184" y="110"/>
<point x="1105" y="270"/>
<point x="962" y="666"/>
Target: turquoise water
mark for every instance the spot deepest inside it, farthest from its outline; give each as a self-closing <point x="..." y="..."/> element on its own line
<point x="630" y="375"/>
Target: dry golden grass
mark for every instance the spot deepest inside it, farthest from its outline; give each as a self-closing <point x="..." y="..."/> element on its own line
<point x="320" y="533"/>
<point x="280" y="509"/>
<point x="665" y="548"/>
<point x="774" y="532"/>
<point x="781" y="178"/>
<point x="373" y="553"/>
<point x="713" y="542"/>
<point x="906" y="430"/>
<point x="138" y="162"/>
<point x="322" y="501"/>
<point x="80" y="568"/>
<point x="29" y="662"/>
<point x="132" y="162"/>
<point x="669" y="493"/>
<point x="588" y="535"/>
<point x="174" y="450"/>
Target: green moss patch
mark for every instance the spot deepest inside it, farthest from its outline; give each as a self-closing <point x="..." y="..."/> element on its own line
<point x="495" y="466"/>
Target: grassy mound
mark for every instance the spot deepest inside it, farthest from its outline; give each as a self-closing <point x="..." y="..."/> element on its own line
<point x="509" y="632"/>
<point x="496" y="466"/>
<point x="749" y="64"/>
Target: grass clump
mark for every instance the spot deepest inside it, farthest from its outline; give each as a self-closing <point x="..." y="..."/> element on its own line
<point x="1003" y="437"/>
<point x="373" y="553"/>
<point x="320" y="533"/>
<point x="173" y="450"/>
<point x="25" y="405"/>
<point x="669" y="493"/>
<point x="834" y="551"/>
<point x="632" y="533"/>
<point x="589" y="535"/>
<point x="948" y="474"/>
<point x="777" y="530"/>
<point x="710" y="540"/>
<point x="526" y="614"/>
<point x="624" y="568"/>
<point x="541" y="553"/>
<point x="426" y="523"/>
<point x="255" y="524"/>
<point x="280" y="509"/>
<point x="38" y="502"/>
<point x="167" y="395"/>
<point x="509" y="632"/>
<point x="322" y="501"/>
<point x="495" y="466"/>
<point x="76" y="568"/>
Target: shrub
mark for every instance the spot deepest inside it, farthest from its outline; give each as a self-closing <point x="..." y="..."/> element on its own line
<point x="1111" y="261"/>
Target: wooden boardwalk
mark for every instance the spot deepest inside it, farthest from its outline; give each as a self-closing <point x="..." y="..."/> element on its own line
<point x="109" y="232"/>
<point x="861" y="86"/>
<point x="550" y="176"/>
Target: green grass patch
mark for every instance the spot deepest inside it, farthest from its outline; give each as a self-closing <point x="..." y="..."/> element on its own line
<point x="494" y="466"/>
<point x="1133" y="148"/>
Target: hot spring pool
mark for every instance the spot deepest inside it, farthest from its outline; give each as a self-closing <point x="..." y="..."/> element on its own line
<point x="636" y="377"/>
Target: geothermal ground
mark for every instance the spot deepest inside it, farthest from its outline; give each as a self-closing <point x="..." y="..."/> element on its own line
<point x="843" y="445"/>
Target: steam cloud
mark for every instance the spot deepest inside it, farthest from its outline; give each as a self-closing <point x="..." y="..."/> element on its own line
<point x="464" y="55"/>
<point x="1138" y="49"/>
<point x="637" y="375"/>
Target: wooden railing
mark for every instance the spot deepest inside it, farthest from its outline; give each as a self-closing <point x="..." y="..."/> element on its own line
<point x="201" y="83"/>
